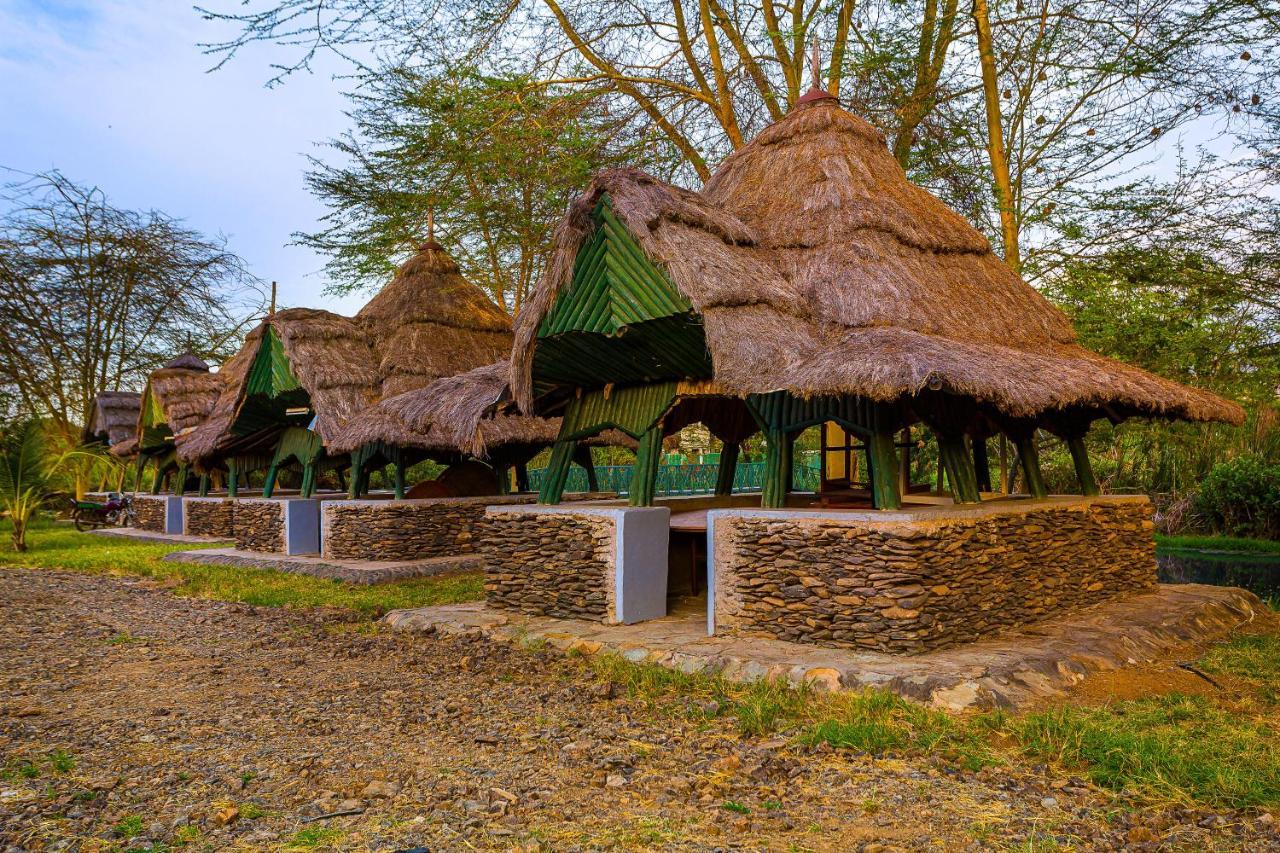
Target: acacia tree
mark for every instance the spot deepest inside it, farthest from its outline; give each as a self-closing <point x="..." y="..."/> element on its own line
<point x="94" y="297"/>
<point x="492" y="159"/>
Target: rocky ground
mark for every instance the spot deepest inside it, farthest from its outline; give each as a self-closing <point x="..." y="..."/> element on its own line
<point x="134" y="719"/>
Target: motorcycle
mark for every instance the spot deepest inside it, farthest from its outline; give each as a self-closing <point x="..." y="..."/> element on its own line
<point x="117" y="511"/>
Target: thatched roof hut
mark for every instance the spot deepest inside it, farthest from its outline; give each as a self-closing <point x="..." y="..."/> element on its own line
<point x="113" y="418"/>
<point x="177" y="398"/>
<point x="429" y="322"/>
<point x="299" y="367"/>
<point x="817" y="268"/>
<point x="810" y="269"/>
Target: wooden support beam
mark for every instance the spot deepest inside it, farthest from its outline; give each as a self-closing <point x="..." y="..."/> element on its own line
<point x="353" y="490"/>
<point x="582" y="457"/>
<point x="904" y="462"/>
<point x="522" y="476"/>
<point x="1084" y="470"/>
<point x="204" y="485"/>
<point x="645" y="474"/>
<point x="982" y="463"/>
<point x="777" y="469"/>
<point x="557" y="473"/>
<point x="728" y="468"/>
<point x="308" y="479"/>
<point x="269" y="483"/>
<point x="398" y="476"/>
<point x="1029" y="460"/>
<point x="502" y="473"/>
<point x="233" y="478"/>
<point x="180" y="486"/>
<point x="882" y="457"/>
<point x="958" y="462"/>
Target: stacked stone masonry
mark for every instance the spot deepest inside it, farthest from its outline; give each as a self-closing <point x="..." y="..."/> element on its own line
<point x="549" y="564"/>
<point x="209" y="517"/>
<point x="149" y="512"/>
<point x="407" y="529"/>
<point x="913" y="586"/>
<point x="259" y="525"/>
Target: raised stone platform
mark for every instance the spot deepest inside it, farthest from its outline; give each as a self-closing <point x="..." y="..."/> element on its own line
<point x="134" y="534"/>
<point x="348" y="571"/>
<point x="1013" y="670"/>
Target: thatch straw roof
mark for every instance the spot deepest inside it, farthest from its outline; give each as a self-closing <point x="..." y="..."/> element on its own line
<point x="818" y="268"/>
<point x="184" y="391"/>
<point x="429" y="322"/>
<point x="451" y="415"/>
<point x="126" y="448"/>
<point x="330" y="356"/>
<point x="113" y="416"/>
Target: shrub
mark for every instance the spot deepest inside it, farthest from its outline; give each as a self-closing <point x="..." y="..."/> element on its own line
<point x="1241" y="497"/>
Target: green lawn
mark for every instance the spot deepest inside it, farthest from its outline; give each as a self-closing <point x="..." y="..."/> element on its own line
<point x="58" y="546"/>
<point x="1225" y="544"/>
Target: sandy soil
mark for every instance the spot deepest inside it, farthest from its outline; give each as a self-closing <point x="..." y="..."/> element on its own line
<point x="231" y="727"/>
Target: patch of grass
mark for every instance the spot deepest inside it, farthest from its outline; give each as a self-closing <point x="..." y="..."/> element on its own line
<point x="58" y="546"/>
<point x="188" y="834"/>
<point x="61" y="761"/>
<point x="316" y="836"/>
<point x="1230" y="544"/>
<point x="20" y="768"/>
<point x="1254" y="657"/>
<point x="122" y="639"/>
<point x="251" y="811"/>
<point x="735" y="806"/>
<point x="1169" y="747"/>
<point x="127" y="827"/>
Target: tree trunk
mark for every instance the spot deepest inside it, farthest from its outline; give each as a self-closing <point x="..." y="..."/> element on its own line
<point x="995" y="136"/>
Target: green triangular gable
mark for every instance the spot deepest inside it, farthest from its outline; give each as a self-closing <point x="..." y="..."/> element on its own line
<point x="271" y="374"/>
<point x="613" y="285"/>
<point x="271" y="389"/>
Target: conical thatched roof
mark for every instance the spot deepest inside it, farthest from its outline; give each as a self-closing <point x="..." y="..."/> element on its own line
<point x="450" y="415"/>
<point x="429" y="322"/>
<point x="178" y="397"/>
<point x="113" y="417"/>
<point x="330" y="356"/>
<point x="818" y="268"/>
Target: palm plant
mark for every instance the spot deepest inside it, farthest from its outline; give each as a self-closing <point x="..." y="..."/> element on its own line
<point x="24" y="476"/>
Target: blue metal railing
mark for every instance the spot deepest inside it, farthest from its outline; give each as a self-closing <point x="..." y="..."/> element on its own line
<point x="691" y="479"/>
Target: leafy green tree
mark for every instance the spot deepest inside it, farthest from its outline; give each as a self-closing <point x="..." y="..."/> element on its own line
<point x="494" y="160"/>
<point x="24" y="476"/>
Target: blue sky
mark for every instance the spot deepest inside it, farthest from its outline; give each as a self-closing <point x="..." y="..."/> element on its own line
<point x="117" y="93"/>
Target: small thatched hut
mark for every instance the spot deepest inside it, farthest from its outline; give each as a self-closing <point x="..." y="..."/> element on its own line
<point x="177" y="398"/>
<point x="299" y="377"/>
<point x="113" y="418"/>
<point x="809" y="283"/>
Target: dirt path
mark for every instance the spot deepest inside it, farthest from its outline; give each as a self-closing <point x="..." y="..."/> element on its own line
<point x="228" y="727"/>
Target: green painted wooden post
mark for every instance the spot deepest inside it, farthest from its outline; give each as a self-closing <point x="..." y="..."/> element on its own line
<point x="982" y="464"/>
<point x="233" y="478"/>
<point x="958" y="462"/>
<point x="582" y="457"/>
<point x="503" y="475"/>
<point x="204" y="485"/>
<point x="645" y="474"/>
<point x="308" y="479"/>
<point x="353" y="489"/>
<point x="777" y="468"/>
<point x="399" y="476"/>
<point x="269" y="483"/>
<point x="557" y="472"/>
<point x="1084" y="470"/>
<point x="1029" y="457"/>
<point x="728" y="468"/>
<point x="522" y="476"/>
<point x="180" y="486"/>
<point x="882" y="456"/>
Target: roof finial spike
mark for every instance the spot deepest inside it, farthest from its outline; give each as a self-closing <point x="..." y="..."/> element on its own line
<point x="273" y="300"/>
<point x="431" y="223"/>
<point x="814" y="68"/>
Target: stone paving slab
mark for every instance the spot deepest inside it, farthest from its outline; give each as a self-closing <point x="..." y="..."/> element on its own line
<point x="135" y="535"/>
<point x="1013" y="670"/>
<point x="348" y="571"/>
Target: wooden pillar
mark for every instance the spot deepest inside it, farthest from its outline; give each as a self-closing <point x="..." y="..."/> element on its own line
<point x="982" y="463"/>
<point x="904" y="463"/>
<point x="522" y="476"/>
<point x="958" y="462"/>
<point x="233" y="478"/>
<point x="1084" y="470"/>
<point x="883" y="458"/>
<point x="399" y="475"/>
<point x="180" y="486"/>
<point x="777" y="469"/>
<point x="308" y="478"/>
<point x="728" y="468"/>
<point x="269" y="483"/>
<point x="582" y="457"/>
<point x="1029" y="460"/>
<point x="557" y="473"/>
<point x="204" y="485"/>
<point x="645" y="475"/>
<point x="353" y="488"/>
<point x="502" y="474"/>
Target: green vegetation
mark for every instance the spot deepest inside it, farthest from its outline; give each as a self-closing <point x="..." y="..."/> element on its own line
<point x="60" y="547"/>
<point x="1225" y="544"/>
<point x="127" y="827"/>
<point x="1191" y="749"/>
<point x="306" y="839"/>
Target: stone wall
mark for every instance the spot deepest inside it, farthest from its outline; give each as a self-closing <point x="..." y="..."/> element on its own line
<point x="550" y="563"/>
<point x="909" y="584"/>
<point x="259" y="525"/>
<point x="208" y="517"/>
<point x="149" y="512"/>
<point x="405" y="529"/>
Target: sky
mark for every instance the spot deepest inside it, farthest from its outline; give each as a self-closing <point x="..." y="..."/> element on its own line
<point x="117" y="94"/>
